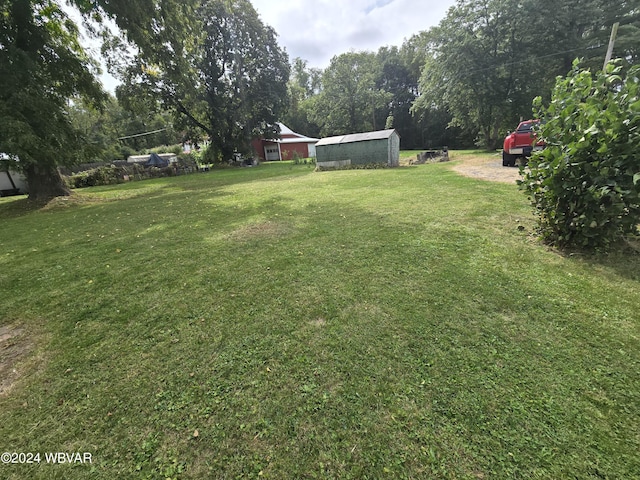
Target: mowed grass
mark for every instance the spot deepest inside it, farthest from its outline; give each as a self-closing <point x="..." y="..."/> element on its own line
<point x="274" y="322"/>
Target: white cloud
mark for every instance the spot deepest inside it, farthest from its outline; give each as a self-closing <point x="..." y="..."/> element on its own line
<point x="316" y="30"/>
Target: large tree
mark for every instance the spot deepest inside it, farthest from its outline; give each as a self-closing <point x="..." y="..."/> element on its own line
<point x="43" y="67"/>
<point x="351" y="95"/>
<point x="474" y="66"/>
<point x="214" y="63"/>
<point x="399" y="78"/>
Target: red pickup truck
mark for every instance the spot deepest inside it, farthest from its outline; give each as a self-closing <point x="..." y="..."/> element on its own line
<point x="520" y="143"/>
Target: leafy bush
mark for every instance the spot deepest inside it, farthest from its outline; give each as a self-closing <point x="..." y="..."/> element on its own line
<point x="175" y="149"/>
<point x="104" y="175"/>
<point x="113" y="174"/>
<point x="187" y="163"/>
<point x="585" y="185"/>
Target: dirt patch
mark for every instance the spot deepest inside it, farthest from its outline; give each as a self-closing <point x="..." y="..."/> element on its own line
<point x="318" y="322"/>
<point x="14" y="347"/>
<point x="486" y="168"/>
<point x="260" y="231"/>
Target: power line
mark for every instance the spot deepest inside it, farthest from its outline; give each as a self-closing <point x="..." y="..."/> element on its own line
<point x="142" y="134"/>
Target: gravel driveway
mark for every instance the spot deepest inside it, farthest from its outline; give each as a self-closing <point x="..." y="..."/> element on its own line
<point x="485" y="168"/>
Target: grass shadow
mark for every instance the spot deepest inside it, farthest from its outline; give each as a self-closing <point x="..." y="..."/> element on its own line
<point x="623" y="260"/>
<point x="14" y="207"/>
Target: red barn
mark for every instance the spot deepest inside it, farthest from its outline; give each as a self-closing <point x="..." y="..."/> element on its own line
<point x="286" y="146"/>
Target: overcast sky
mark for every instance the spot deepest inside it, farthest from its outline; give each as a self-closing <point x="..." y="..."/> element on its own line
<point x="316" y="30"/>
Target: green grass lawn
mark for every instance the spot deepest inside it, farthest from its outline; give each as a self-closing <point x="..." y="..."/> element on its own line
<point x="274" y="322"/>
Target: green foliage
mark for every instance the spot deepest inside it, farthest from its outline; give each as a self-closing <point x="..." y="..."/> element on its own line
<point x="212" y="62"/>
<point x="585" y="186"/>
<point x="488" y="59"/>
<point x="43" y="66"/>
<point x="303" y="87"/>
<point x="105" y="175"/>
<point x="107" y="129"/>
<point x="298" y="160"/>
<point x="115" y="174"/>
<point x="175" y="149"/>
<point x="355" y="166"/>
<point x="350" y="95"/>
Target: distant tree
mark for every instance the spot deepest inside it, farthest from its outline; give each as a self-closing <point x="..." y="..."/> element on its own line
<point x="308" y="79"/>
<point x="351" y="96"/>
<point x="414" y="53"/>
<point x="430" y="126"/>
<point x="43" y="71"/>
<point x="397" y="80"/>
<point x="116" y="132"/>
<point x="474" y="62"/>
<point x="304" y="85"/>
<point x="583" y="28"/>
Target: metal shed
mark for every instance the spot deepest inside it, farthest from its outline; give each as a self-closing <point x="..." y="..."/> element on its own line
<point x="382" y="146"/>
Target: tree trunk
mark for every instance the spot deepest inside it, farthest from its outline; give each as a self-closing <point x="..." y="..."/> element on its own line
<point x="45" y="183"/>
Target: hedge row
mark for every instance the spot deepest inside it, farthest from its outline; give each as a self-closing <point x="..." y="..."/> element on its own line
<point x="113" y="174"/>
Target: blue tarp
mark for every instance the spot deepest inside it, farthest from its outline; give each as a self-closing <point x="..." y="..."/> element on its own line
<point x="156" y="160"/>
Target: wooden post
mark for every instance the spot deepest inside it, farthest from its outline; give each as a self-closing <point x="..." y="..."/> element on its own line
<point x="612" y="41"/>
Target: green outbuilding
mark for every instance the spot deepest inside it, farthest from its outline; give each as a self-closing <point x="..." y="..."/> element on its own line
<point x="381" y="147"/>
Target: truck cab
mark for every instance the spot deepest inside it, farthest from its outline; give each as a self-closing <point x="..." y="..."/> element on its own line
<point x="520" y="143"/>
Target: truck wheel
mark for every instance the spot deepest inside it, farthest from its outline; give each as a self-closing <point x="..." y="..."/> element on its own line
<point x="508" y="160"/>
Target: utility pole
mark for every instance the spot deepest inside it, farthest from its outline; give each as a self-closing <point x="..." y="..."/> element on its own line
<point x="612" y="41"/>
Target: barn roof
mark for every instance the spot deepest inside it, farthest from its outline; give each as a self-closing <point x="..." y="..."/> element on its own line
<point x="356" y="137"/>
<point x="284" y="130"/>
<point x="300" y="139"/>
<point x="289" y="136"/>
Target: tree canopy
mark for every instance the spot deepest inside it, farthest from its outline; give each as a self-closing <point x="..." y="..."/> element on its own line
<point x="42" y="67"/>
<point x="350" y="95"/>
<point x="216" y="65"/>
<point x="488" y="59"/>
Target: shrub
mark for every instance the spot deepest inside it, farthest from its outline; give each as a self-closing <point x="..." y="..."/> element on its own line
<point x="187" y="163"/>
<point x="175" y="149"/>
<point x="585" y="185"/>
<point x="103" y="175"/>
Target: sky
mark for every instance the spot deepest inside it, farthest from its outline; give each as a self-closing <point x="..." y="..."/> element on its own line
<point x="317" y="30"/>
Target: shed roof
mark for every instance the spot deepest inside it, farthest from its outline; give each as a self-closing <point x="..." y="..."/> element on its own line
<point x="356" y="137"/>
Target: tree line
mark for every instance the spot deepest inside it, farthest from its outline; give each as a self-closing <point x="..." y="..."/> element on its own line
<point x="212" y="68"/>
<point x="468" y="80"/>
